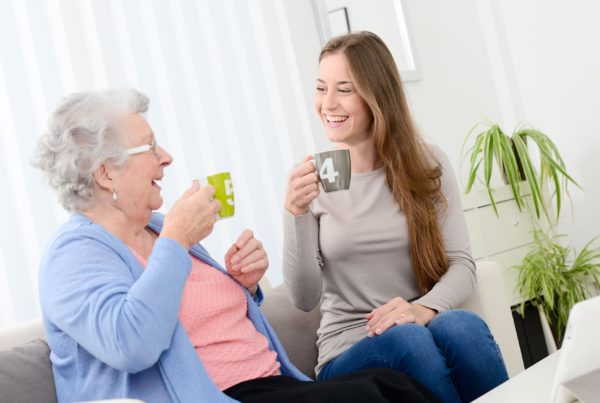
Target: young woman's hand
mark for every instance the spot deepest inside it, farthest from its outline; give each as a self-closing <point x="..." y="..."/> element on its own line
<point x="303" y="187"/>
<point x="192" y="217"/>
<point x="396" y="312"/>
<point x="247" y="261"/>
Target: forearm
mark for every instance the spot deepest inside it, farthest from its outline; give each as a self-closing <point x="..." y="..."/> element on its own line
<point x="454" y="287"/>
<point x="90" y="293"/>
<point x="301" y="268"/>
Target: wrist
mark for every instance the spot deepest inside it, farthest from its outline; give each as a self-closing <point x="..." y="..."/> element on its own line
<point x="176" y="238"/>
<point x="294" y="210"/>
<point x="426" y="313"/>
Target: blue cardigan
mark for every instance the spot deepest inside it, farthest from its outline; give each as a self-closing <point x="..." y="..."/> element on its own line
<point x="113" y="327"/>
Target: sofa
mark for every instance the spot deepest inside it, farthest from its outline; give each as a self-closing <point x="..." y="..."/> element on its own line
<point x="26" y="372"/>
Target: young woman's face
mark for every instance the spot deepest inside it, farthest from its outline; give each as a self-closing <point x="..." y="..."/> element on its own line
<point x="345" y="115"/>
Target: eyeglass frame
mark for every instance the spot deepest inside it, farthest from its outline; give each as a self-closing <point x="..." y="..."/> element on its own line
<point x="143" y="148"/>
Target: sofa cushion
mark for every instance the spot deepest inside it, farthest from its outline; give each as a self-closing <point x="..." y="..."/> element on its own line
<point x="297" y="330"/>
<point x="26" y="374"/>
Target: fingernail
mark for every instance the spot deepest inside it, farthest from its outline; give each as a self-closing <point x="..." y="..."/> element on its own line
<point x="378" y="331"/>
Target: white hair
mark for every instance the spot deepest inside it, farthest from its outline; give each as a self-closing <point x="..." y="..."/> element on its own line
<point x="83" y="133"/>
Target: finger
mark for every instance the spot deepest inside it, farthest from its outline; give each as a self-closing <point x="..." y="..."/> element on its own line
<point x="310" y="178"/>
<point x="385" y="325"/>
<point x="307" y="188"/>
<point x="383" y="310"/>
<point x="252" y="257"/>
<point x="230" y="252"/>
<point x="405" y="317"/>
<point x="380" y="321"/>
<point x="244" y="237"/>
<point x="250" y="246"/>
<point x="257" y="266"/>
<point x="207" y="190"/>
<point x="302" y="170"/>
<point x="214" y="206"/>
<point x="305" y="200"/>
<point x="192" y="189"/>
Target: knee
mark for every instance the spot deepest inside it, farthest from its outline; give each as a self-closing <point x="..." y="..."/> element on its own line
<point x="459" y="325"/>
<point x="408" y="334"/>
<point x="407" y="340"/>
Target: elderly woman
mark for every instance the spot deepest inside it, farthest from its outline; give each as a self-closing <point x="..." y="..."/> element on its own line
<point x="133" y="306"/>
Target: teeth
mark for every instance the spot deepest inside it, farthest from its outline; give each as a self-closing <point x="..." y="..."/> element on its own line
<point x="334" y="118"/>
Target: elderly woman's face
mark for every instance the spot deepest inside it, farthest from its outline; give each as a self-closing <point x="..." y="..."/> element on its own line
<point x="137" y="187"/>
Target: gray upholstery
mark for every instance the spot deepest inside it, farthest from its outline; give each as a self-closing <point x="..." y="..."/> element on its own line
<point x="26" y="374"/>
<point x="296" y="329"/>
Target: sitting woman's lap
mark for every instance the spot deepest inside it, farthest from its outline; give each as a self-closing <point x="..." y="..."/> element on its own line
<point x="455" y="356"/>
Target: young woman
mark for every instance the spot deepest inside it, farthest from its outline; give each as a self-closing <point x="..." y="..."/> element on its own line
<point x="389" y="259"/>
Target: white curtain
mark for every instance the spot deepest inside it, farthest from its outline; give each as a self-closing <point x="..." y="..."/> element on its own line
<point x="224" y="96"/>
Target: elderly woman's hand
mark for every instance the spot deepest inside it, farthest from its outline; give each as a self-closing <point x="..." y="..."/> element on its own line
<point x="247" y="261"/>
<point x="193" y="216"/>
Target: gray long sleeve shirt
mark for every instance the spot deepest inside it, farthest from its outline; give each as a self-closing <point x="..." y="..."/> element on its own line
<point x="351" y="253"/>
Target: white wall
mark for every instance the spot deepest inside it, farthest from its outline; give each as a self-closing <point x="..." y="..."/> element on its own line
<point x="510" y="61"/>
<point x="557" y="67"/>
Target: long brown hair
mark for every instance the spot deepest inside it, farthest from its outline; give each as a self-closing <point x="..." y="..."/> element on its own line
<point x="410" y="170"/>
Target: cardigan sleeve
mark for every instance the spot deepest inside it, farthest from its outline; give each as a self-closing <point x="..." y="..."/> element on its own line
<point x="457" y="284"/>
<point x="90" y="292"/>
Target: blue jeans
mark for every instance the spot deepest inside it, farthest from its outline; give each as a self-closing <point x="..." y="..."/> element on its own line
<point x="454" y="356"/>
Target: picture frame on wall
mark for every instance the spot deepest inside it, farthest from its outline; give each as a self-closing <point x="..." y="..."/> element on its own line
<point x="386" y="18"/>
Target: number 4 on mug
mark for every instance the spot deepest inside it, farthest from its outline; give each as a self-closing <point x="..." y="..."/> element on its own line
<point x="328" y="171"/>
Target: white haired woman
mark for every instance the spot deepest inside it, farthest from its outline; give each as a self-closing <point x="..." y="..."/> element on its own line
<point x="132" y="304"/>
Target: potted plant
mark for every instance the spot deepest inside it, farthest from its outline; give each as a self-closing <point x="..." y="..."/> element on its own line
<point x="512" y="158"/>
<point x="555" y="277"/>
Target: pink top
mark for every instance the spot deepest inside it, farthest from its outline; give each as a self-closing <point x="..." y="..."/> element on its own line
<point x="213" y="314"/>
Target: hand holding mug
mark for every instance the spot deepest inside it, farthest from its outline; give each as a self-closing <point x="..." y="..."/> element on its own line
<point x="302" y="188"/>
<point x="193" y="215"/>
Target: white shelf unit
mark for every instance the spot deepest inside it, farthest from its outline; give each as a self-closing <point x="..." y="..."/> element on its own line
<point x="504" y="238"/>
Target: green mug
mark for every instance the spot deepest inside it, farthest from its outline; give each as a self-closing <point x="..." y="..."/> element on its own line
<point x="223" y="192"/>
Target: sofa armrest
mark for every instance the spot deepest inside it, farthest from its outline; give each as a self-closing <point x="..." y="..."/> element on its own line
<point x="489" y="300"/>
<point x="22" y="333"/>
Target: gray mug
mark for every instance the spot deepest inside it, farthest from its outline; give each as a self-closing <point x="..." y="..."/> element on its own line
<point x="333" y="168"/>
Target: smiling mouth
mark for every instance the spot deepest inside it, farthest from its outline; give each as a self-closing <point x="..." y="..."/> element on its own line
<point x="336" y="118"/>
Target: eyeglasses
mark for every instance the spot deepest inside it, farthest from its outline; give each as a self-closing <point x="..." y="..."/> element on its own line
<point x="146" y="147"/>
